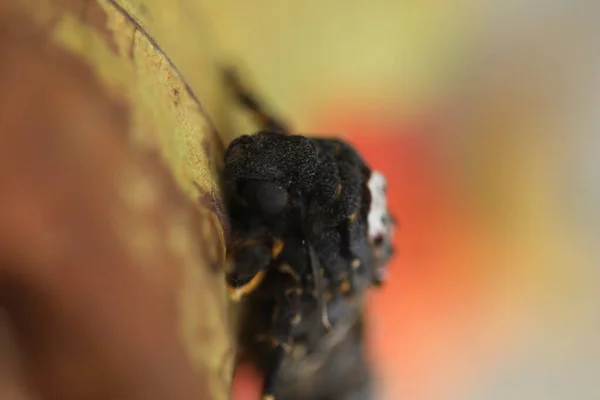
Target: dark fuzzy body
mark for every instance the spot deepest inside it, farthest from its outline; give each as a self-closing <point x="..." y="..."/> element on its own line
<point x="303" y="255"/>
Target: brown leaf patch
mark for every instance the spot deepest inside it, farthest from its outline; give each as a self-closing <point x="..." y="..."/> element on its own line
<point x="90" y="272"/>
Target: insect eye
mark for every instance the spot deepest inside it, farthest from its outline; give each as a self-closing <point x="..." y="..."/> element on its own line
<point x="266" y="197"/>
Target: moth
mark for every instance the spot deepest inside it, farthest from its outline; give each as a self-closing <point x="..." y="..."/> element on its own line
<point x="310" y="233"/>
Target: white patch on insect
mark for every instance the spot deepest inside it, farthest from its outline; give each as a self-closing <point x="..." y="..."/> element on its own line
<point x="378" y="212"/>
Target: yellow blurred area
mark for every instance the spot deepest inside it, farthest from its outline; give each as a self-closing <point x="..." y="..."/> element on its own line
<point x="514" y="88"/>
<point x="307" y="54"/>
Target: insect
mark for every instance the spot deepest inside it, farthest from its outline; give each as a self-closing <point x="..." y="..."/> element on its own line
<point x="311" y="231"/>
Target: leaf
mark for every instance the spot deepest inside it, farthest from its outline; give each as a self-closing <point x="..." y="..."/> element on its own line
<point x="111" y="229"/>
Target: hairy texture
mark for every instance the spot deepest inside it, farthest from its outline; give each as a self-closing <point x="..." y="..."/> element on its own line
<point x="300" y="211"/>
<point x="285" y="160"/>
<point x="306" y="261"/>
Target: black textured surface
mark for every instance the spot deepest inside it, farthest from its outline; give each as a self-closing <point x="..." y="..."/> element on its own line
<point x="303" y="325"/>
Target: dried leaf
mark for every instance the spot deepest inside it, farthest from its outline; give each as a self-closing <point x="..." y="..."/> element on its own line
<point x="111" y="234"/>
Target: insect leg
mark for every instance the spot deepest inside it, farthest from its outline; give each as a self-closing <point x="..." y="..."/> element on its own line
<point x="286" y="314"/>
<point x="315" y="267"/>
<point x="320" y="287"/>
<point x="292" y="297"/>
<point x="352" y="229"/>
<point x="270" y="374"/>
<point x="249" y="100"/>
<point x="251" y="258"/>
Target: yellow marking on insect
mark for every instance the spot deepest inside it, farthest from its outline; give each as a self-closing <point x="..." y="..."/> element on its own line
<point x="274" y="342"/>
<point x="245" y="243"/>
<point x="286" y="347"/>
<point x="236" y="293"/>
<point x="345" y="286"/>
<point x="352" y="218"/>
<point x="268" y="397"/>
<point x="287" y="269"/>
<point x="293" y="291"/>
<point x="299" y="351"/>
<point x="296" y="320"/>
<point x="277" y="248"/>
<point x="355" y="263"/>
<point x="338" y="192"/>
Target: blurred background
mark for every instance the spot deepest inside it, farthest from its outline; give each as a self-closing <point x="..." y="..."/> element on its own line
<point x="484" y="117"/>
